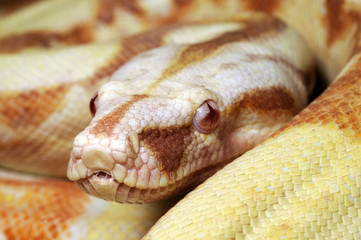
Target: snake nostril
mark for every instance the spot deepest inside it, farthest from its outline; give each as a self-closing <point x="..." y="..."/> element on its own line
<point x="102" y="175"/>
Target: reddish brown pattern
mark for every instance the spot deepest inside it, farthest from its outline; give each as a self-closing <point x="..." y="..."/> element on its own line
<point x="334" y="19"/>
<point x="11" y="6"/>
<point x="167" y="145"/>
<point x="107" y="9"/>
<point x="43" y="212"/>
<point x="266" y="101"/>
<point x="132" y="46"/>
<point x="337" y="103"/>
<point x="268" y="6"/>
<point x="180" y="3"/>
<point x="30" y="108"/>
<point x="79" y="34"/>
<point x="199" y="51"/>
<point x="357" y="36"/>
<point x="105" y="126"/>
<point x="339" y="21"/>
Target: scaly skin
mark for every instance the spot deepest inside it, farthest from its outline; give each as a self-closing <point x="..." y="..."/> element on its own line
<point x="315" y="166"/>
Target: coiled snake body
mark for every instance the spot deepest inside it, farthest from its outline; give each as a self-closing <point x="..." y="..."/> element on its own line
<point x="209" y="81"/>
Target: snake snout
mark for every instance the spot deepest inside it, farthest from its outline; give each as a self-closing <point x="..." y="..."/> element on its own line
<point x="98" y="180"/>
<point x="97" y="159"/>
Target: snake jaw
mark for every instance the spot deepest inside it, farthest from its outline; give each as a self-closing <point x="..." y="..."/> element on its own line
<point x="111" y="173"/>
<point x="97" y="173"/>
<point x="127" y="170"/>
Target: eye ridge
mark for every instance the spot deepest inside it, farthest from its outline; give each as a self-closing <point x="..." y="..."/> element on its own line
<point x="207" y="116"/>
<point x="92" y="104"/>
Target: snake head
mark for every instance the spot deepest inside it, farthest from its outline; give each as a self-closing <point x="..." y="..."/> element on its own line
<point x="173" y="116"/>
<point x="141" y="148"/>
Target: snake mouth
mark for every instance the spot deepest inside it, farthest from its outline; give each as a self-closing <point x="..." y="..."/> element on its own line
<point x="111" y="190"/>
<point x="102" y="175"/>
<point x="97" y="173"/>
<point x="103" y="185"/>
<point x="115" y="182"/>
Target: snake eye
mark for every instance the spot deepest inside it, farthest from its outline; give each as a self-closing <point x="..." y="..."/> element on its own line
<point x="207" y="117"/>
<point x="93" y="104"/>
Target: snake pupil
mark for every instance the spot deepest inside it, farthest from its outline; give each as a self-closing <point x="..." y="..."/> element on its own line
<point x="92" y="104"/>
<point x="207" y="117"/>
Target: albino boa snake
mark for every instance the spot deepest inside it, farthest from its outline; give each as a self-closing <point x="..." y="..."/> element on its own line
<point x="302" y="182"/>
